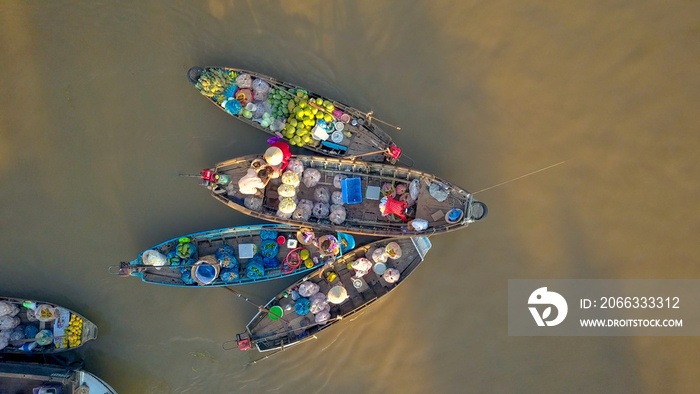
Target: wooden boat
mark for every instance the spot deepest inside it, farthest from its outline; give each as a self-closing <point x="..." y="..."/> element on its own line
<point x="25" y="377"/>
<point x="231" y="256"/>
<point x="283" y="323"/>
<point x="348" y="131"/>
<point x="456" y="211"/>
<point x="42" y="327"/>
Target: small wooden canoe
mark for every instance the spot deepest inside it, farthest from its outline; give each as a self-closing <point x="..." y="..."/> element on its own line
<point x="293" y="114"/>
<point x="231" y="256"/>
<point x="25" y="377"/>
<point x="439" y="206"/>
<point x="286" y="321"/>
<point x="42" y="327"/>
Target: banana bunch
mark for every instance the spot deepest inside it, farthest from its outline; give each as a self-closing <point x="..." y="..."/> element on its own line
<point x="215" y="81"/>
<point x="72" y="336"/>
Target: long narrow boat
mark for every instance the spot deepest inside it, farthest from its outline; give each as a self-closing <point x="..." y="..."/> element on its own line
<point x="41" y="328"/>
<point x="360" y="195"/>
<point x="301" y="117"/>
<point x="25" y="377"/>
<point x="323" y="299"/>
<point x="232" y="256"/>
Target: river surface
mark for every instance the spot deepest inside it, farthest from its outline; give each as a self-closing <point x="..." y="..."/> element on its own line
<point x="97" y="119"/>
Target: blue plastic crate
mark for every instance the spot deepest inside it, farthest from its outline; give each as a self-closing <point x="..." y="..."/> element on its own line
<point x="352" y="190"/>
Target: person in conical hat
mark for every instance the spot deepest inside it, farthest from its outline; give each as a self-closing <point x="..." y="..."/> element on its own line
<point x="277" y="155"/>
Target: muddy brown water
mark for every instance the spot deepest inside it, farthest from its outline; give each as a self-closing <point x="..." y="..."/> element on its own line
<point x="98" y="119"/>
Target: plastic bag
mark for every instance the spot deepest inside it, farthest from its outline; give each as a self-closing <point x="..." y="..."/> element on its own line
<point x="287" y="205"/>
<point x="302" y="213"/>
<point x="255" y="268"/>
<point x="361" y="266"/>
<point x="229" y="274"/>
<point x="388" y="189"/>
<point x="337" y="198"/>
<point x="154" y="258"/>
<point x="17" y="334"/>
<point x="379" y="255"/>
<point x="337" y="214"/>
<point x="321" y="194"/>
<point x="306" y="204"/>
<point x="261" y="109"/>
<point x="269" y="248"/>
<point x="319" y="301"/>
<point x="286" y="190"/>
<point x="8" y="322"/>
<point x="438" y="191"/>
<point x="227" y="261"/>
<point x="311" y="177"/>
<point x="393" y="250"/>
<point x="338" y="179"/>
<point x="308" y="289"/>
<point x="302" y="306"/>
<point x="260" y="86"/>
<point x="296" y="166"/>
<point x="391" y="275"/>
<point x="290" y="178"/>
<point x="322" y="317"/>
<point x="233" y="107"/>
<point x="418" y="224"/>
<point x="7" y="309"/>
<point x="253" y="203"/>
<point x="271" y="263"/>
<point x="187" y="277"/>
<point x="414" y="188"/>
<point x="283" y="215"/>
<point x="244" y="81"/>
<point x="4" y="339"/>
<point x="321" y="210"/>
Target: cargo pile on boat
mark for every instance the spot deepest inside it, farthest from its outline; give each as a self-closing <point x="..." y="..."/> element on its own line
<point x="38" y="327"/>
<point x="302" y="118"/>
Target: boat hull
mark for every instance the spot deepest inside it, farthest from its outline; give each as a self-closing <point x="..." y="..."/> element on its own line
<point x="359" y="135"/>
<point x="25" y="376"/>
<point x="57" y="326"/>
<point x="366" y="217"/>
<point x="268" y="334"/>
<point x="209" y="242"/>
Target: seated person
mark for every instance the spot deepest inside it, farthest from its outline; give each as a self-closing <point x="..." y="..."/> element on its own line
<point x="254" y="181"/>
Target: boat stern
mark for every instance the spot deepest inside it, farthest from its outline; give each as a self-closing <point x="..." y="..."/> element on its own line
<point x="476" y="210"/>
<point x="243" y="341"/>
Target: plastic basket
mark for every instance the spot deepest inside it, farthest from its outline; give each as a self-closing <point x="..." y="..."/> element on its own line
<point x="352" y="190"/>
